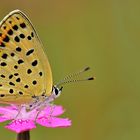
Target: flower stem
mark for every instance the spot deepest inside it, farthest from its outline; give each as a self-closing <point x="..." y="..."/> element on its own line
<point x="23" y="135"/>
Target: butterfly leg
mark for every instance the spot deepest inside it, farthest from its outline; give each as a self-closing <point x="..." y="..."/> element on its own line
<point x="52" y="107"/>
<point x="48" y="116"/>
<point x="19" y="111"/>
<point x="39" y="111"/>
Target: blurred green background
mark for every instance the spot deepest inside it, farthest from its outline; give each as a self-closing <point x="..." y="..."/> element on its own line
<point x="105" y="36"/>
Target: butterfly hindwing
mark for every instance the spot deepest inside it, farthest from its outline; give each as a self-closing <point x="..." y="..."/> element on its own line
<point x="24" y="68"/>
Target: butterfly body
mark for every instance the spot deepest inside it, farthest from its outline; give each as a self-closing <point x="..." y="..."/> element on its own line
<point x="25" y="72"/>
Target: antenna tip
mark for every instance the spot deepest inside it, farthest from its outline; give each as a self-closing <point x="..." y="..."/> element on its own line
<point x="91" y="78"/>
<point x="87" y="68"/>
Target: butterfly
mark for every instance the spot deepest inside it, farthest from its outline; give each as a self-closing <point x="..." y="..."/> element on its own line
<point x="25" y="73"/>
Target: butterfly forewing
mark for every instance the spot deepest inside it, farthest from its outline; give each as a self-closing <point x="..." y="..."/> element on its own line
<point x="24" y="67"/>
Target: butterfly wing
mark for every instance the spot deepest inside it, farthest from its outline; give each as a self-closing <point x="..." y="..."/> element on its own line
<point x="24" y="68"/>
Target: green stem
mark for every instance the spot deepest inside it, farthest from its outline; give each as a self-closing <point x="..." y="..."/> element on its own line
<point x="23" y="135"/>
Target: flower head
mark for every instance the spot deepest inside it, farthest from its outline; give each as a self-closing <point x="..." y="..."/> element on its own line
<point x="23" y="120"/>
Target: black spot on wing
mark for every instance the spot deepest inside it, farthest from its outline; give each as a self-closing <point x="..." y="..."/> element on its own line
<point x="12" y="54"/>
<point x="3" y="64"/>
<point x="4" y="27"/>
<point x="2" y="95"/>
<point x="15" y="27"/>
<point x="11" y="83"/>
<point x="29" y="71"/>
<point x="40" y="73"/>
<point x="6" y="39"/>
<point x="3" y="76"/>
<point x="16" y="74"/>
<point x="32" y="34"/>
<point x="16" y="67"/>
<point x="4" y="56"/>
<point x="21" y="93"/>
<point x="10" y="76"/>
<point x="29" y="38"/>
<point x="10" y="32"/>
<point x="11" y="91"/>
<point x="22" y="36"/>
<point x="17" y="18"/>
<point x="29" y="52"/>
<point x="20" y="61"/>
<point x="17" y="39"/>
<point x="23" y="25"/>
<point x="18" y="49"/>
<point x="34" y="63"/>
<point x="18" y="80"/>
<point x="2" y="44"/>
<point x="26" y="86"/>
<point x="34" y="82"/>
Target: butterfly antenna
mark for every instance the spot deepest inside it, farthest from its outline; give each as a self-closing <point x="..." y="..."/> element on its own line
<point x="69" y="78"/>
<point x="76" y="73"/>
<point x="75" y="80"/>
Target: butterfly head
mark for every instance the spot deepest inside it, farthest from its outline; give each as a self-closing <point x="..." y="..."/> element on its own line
<point x="56" y="91"/>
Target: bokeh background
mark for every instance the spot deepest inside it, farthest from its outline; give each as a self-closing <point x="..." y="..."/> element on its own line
<point x="102" y="34"/>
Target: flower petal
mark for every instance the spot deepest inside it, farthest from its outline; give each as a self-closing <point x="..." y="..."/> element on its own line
<point x="54" y="122"/>
<point x="4" y="118"/>
<point x="20" y="125"/>
<point x="58" y="110"/>
<point x="53" y="110"/>
<point x="5" y="110"/>
<point x="8" y="112"/>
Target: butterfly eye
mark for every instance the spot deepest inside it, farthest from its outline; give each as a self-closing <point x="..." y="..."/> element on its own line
<point x="56" y="91"/>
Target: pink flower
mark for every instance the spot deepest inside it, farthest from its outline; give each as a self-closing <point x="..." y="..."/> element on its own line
<point x="25" y="120"/>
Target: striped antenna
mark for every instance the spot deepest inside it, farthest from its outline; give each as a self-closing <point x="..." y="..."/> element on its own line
<point x="69" y="78"/>
<point x="75" y="74"/>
